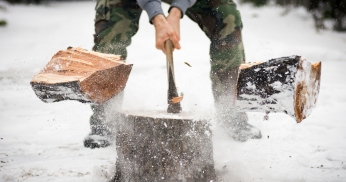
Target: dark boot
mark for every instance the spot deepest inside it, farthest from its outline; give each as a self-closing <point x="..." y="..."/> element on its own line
<point x="102" y="123"/>
<point x="224" y="91"/>
<point x="100" y="135"/>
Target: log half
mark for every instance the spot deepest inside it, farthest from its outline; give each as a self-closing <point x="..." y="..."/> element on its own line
<point x="157" y="146"/>
<point x="78" y="74"/>
<point x="288" y="84"/>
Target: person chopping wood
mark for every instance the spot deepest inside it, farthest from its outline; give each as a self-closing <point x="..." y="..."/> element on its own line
<point x="117" y="22"/>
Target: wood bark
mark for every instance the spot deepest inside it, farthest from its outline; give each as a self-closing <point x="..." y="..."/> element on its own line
<point x="78" y="74"/>
<point x="156" y="146"/>
<point x="288" y="84"/>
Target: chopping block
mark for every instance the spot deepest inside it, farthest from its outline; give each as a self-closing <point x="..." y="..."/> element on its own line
<point x="164" y="145"/>
<point x="158" y="146"/>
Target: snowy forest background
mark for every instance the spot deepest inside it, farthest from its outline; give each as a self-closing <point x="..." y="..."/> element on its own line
<point x="44" y="142"/>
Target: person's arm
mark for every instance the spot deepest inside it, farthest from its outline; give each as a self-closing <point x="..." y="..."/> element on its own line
<point x="182" y="5"/>
<point x="166" y="28"/>
<point x="152" y="7"/>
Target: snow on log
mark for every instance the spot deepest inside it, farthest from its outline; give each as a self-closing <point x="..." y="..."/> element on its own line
<point x="158" y="146"/>
<point x="78" y="74"/>
<point x="288" y="84"/>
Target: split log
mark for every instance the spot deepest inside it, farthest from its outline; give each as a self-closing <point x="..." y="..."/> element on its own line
<point x="78" y="74"/>
<point x="157" y="146"/>
<point x="288" y="84"/>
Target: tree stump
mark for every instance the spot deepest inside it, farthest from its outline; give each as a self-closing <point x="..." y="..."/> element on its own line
<point x="288" y="84"/>
<point x="78" y="74"/>
<point x="156" y="146"/>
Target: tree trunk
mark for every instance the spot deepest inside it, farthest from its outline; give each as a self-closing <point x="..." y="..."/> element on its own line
<point x="156" y="146"/>
<point x="289" y="84"/>
<point x="78" y="74"/>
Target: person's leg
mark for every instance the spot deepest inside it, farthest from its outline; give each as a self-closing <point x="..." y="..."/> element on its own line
<point x="221" y="22"/>
<point x="116" y="22"/>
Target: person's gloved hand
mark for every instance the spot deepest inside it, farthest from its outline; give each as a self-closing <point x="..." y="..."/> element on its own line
<point x="167" y="28"/>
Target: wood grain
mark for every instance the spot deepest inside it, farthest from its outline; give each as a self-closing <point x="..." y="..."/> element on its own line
<point x="82" y="75"/>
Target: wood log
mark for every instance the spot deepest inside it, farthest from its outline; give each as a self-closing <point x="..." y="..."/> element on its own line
<point x="157" y="146"/>
<point x="78" y="74"/>
<point x="288" y="84"/>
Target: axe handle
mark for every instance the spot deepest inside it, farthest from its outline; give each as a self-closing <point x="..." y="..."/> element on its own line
<point x="172" y="89"/>
<point x="169" y="55"/>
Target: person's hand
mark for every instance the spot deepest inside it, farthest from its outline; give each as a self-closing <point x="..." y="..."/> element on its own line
<point x="174" y="20"/>
<point x="167" y="29"/>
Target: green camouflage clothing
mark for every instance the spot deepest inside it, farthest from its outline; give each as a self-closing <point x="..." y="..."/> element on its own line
<point x="116" y="22"/>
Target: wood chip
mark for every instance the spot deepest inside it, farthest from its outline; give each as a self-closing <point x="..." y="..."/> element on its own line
<point x="187" y="64"/>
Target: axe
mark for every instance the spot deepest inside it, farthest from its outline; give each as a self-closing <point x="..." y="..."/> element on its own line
<point x="172" y="97"/>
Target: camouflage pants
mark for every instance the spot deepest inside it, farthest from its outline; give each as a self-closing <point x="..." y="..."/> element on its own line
<point x="117" y="22"/>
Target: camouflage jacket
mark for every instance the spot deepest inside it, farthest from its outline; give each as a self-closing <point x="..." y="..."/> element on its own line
<point x="153" y="7"/>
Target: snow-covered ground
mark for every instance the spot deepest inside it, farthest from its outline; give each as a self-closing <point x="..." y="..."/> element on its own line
<point x="44" y="142"/>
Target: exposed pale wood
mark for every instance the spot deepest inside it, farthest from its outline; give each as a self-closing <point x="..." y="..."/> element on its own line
<point x="157" y="146"/>
<point x="248" y="65"/>
<point x="79" y="74"/>
<point x="175" y="100"/>
<point x="307" y="90"/>
<point x="287" y="84"/>
<point x="50" y="78"/>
